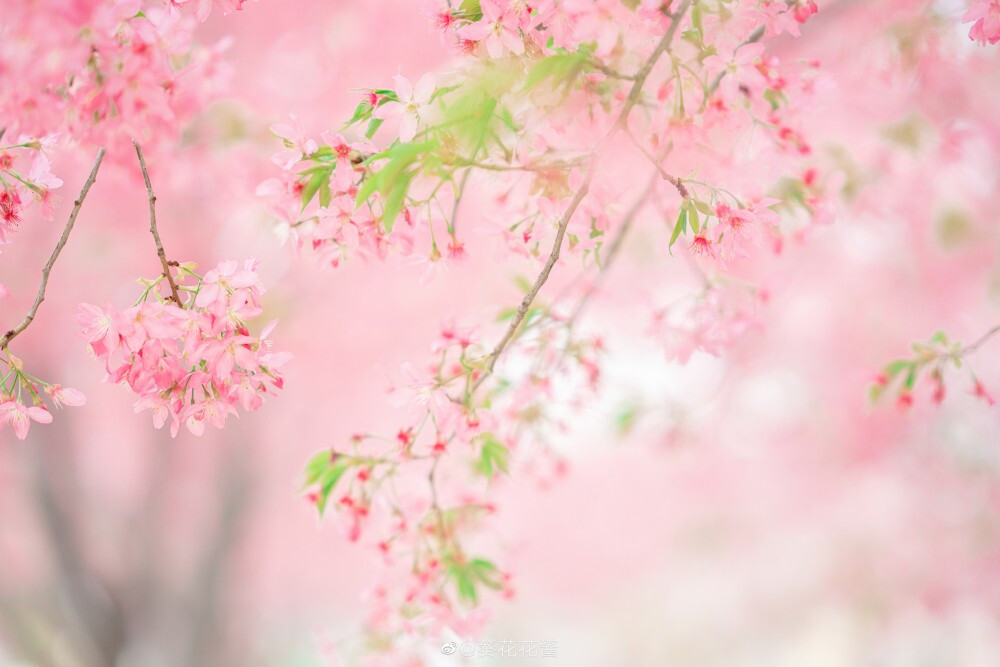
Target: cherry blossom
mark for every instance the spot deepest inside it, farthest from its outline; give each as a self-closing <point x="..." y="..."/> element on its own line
<point x="412" y="104"/>
<point x="985" y="18"/>
<point x="195" y="362"/>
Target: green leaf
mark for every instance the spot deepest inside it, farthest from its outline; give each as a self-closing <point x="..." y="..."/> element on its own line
<point x="394" y="178"/>
<point x="493" y="456"/>
<point x="362" y="111"/>
<point x="327" y="483"/>
<point x="395" y="199"/>
<point x="373" y="127"/>
<point x="693" y="217"/>
<point x="696" y="18"/>
<point x="680" y="227"/>
<point x="471" y="9"/>
<point x="895" y="367"/>
<point x="486" y="572"/>
<point x="561" y="68"/>
<point x="317" y="465"/>
<point x="627" y="419"/>
<point x="464" y="583"/>
<point x="318" y="180"/>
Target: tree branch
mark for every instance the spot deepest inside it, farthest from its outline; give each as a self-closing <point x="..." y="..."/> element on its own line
<point x="160" y="252"/>
<point x="755" y="36"/>
<point x="620" y="123"/>
<point x="47" y="269"/>
<point x="653" y="160"/>
<point x="969" y="349"/>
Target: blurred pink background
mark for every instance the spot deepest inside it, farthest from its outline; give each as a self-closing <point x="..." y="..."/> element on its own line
<point x="760" y="512"/>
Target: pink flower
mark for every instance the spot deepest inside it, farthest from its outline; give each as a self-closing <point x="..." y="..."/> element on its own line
<point x="979" y="391"/>
<point x="741" y="70"/>
<point x="231" y="289"/>
<point x="498" y="30"/>
<point x="192" y="362"/>
<point x="985" y="18"/>
<point x="412" y="107"/>
<point x="343" y="175"/>
<point x="702" y="245"/>
<point x="778" y="18"/>
<point x="65" y="396"/>
<point x="41" y="176"/>
<point x="19" y="417"/>
<point x="740" y="230"/>
<point x="297" y="144"/>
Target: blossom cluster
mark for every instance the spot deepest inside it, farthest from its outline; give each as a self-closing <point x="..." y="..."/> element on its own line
<point x="409" y="491"/>
<point x="536" y="119"/>
<point x="26" y="178"/>
<point x="191" y="360"/>
<point x="928" y="365"/>
<point x="21" y="396"/>
<point x="984" y="15"/>
<point x="115" y="69"/>
<point x="525" y="134"/>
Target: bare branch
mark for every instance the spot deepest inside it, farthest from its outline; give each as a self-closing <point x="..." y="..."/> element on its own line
<point x="160" y="252"/>
<point x="609" y="72"/>
<point x="973" y="347"/>
<point x="47" y="269"/>
<point x="653" y="160"/>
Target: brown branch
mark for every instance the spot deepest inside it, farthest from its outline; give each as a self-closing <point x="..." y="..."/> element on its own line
<point x="620" y="123"/>
<point x="47" y="269"/>
<point x="653" y="160"/>
<point x="488" y="166"/>
<point x="969" y="349"/>
<point x="755" y="36"/>
<point x="160" y="252"/>
<point x="609" y="72"/>
<point x="614" y="248"/>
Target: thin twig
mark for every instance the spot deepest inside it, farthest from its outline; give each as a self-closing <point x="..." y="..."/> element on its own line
<point x="609" y="72"/>
<point x="47" y="269"/>
<point x="615" y="247"/>
<point x="160" y="252"/>
<point x="673" y="180"/>
<point x="620" y="123"/>
<point x="754" y="37"/>
<point x="969" y="349"/>
<point x="550" y="166"/>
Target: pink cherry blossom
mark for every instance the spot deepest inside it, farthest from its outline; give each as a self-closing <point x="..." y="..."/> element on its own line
<point x="194" y="362"/>
<point x="19" y="417"/>
<point x="412" y="107"/>
<point x="985" y="18"/>
<point x="498" y="30"/>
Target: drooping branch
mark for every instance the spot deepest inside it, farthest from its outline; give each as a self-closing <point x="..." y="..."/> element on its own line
<point x="653" y="160"/>
<point x="620" y="123"/>
<point x="47" y="269"/>
<point x="615" y="247"/>
<point x="160" y="252"/>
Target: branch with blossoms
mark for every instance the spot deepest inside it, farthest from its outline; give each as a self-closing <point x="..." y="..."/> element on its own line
<point x="189" y="355"/>
<point x="17" y="386"/>
<point x="518" y="119"/>
<point x="25" y="178"/>
<point x="930" y="362"/>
